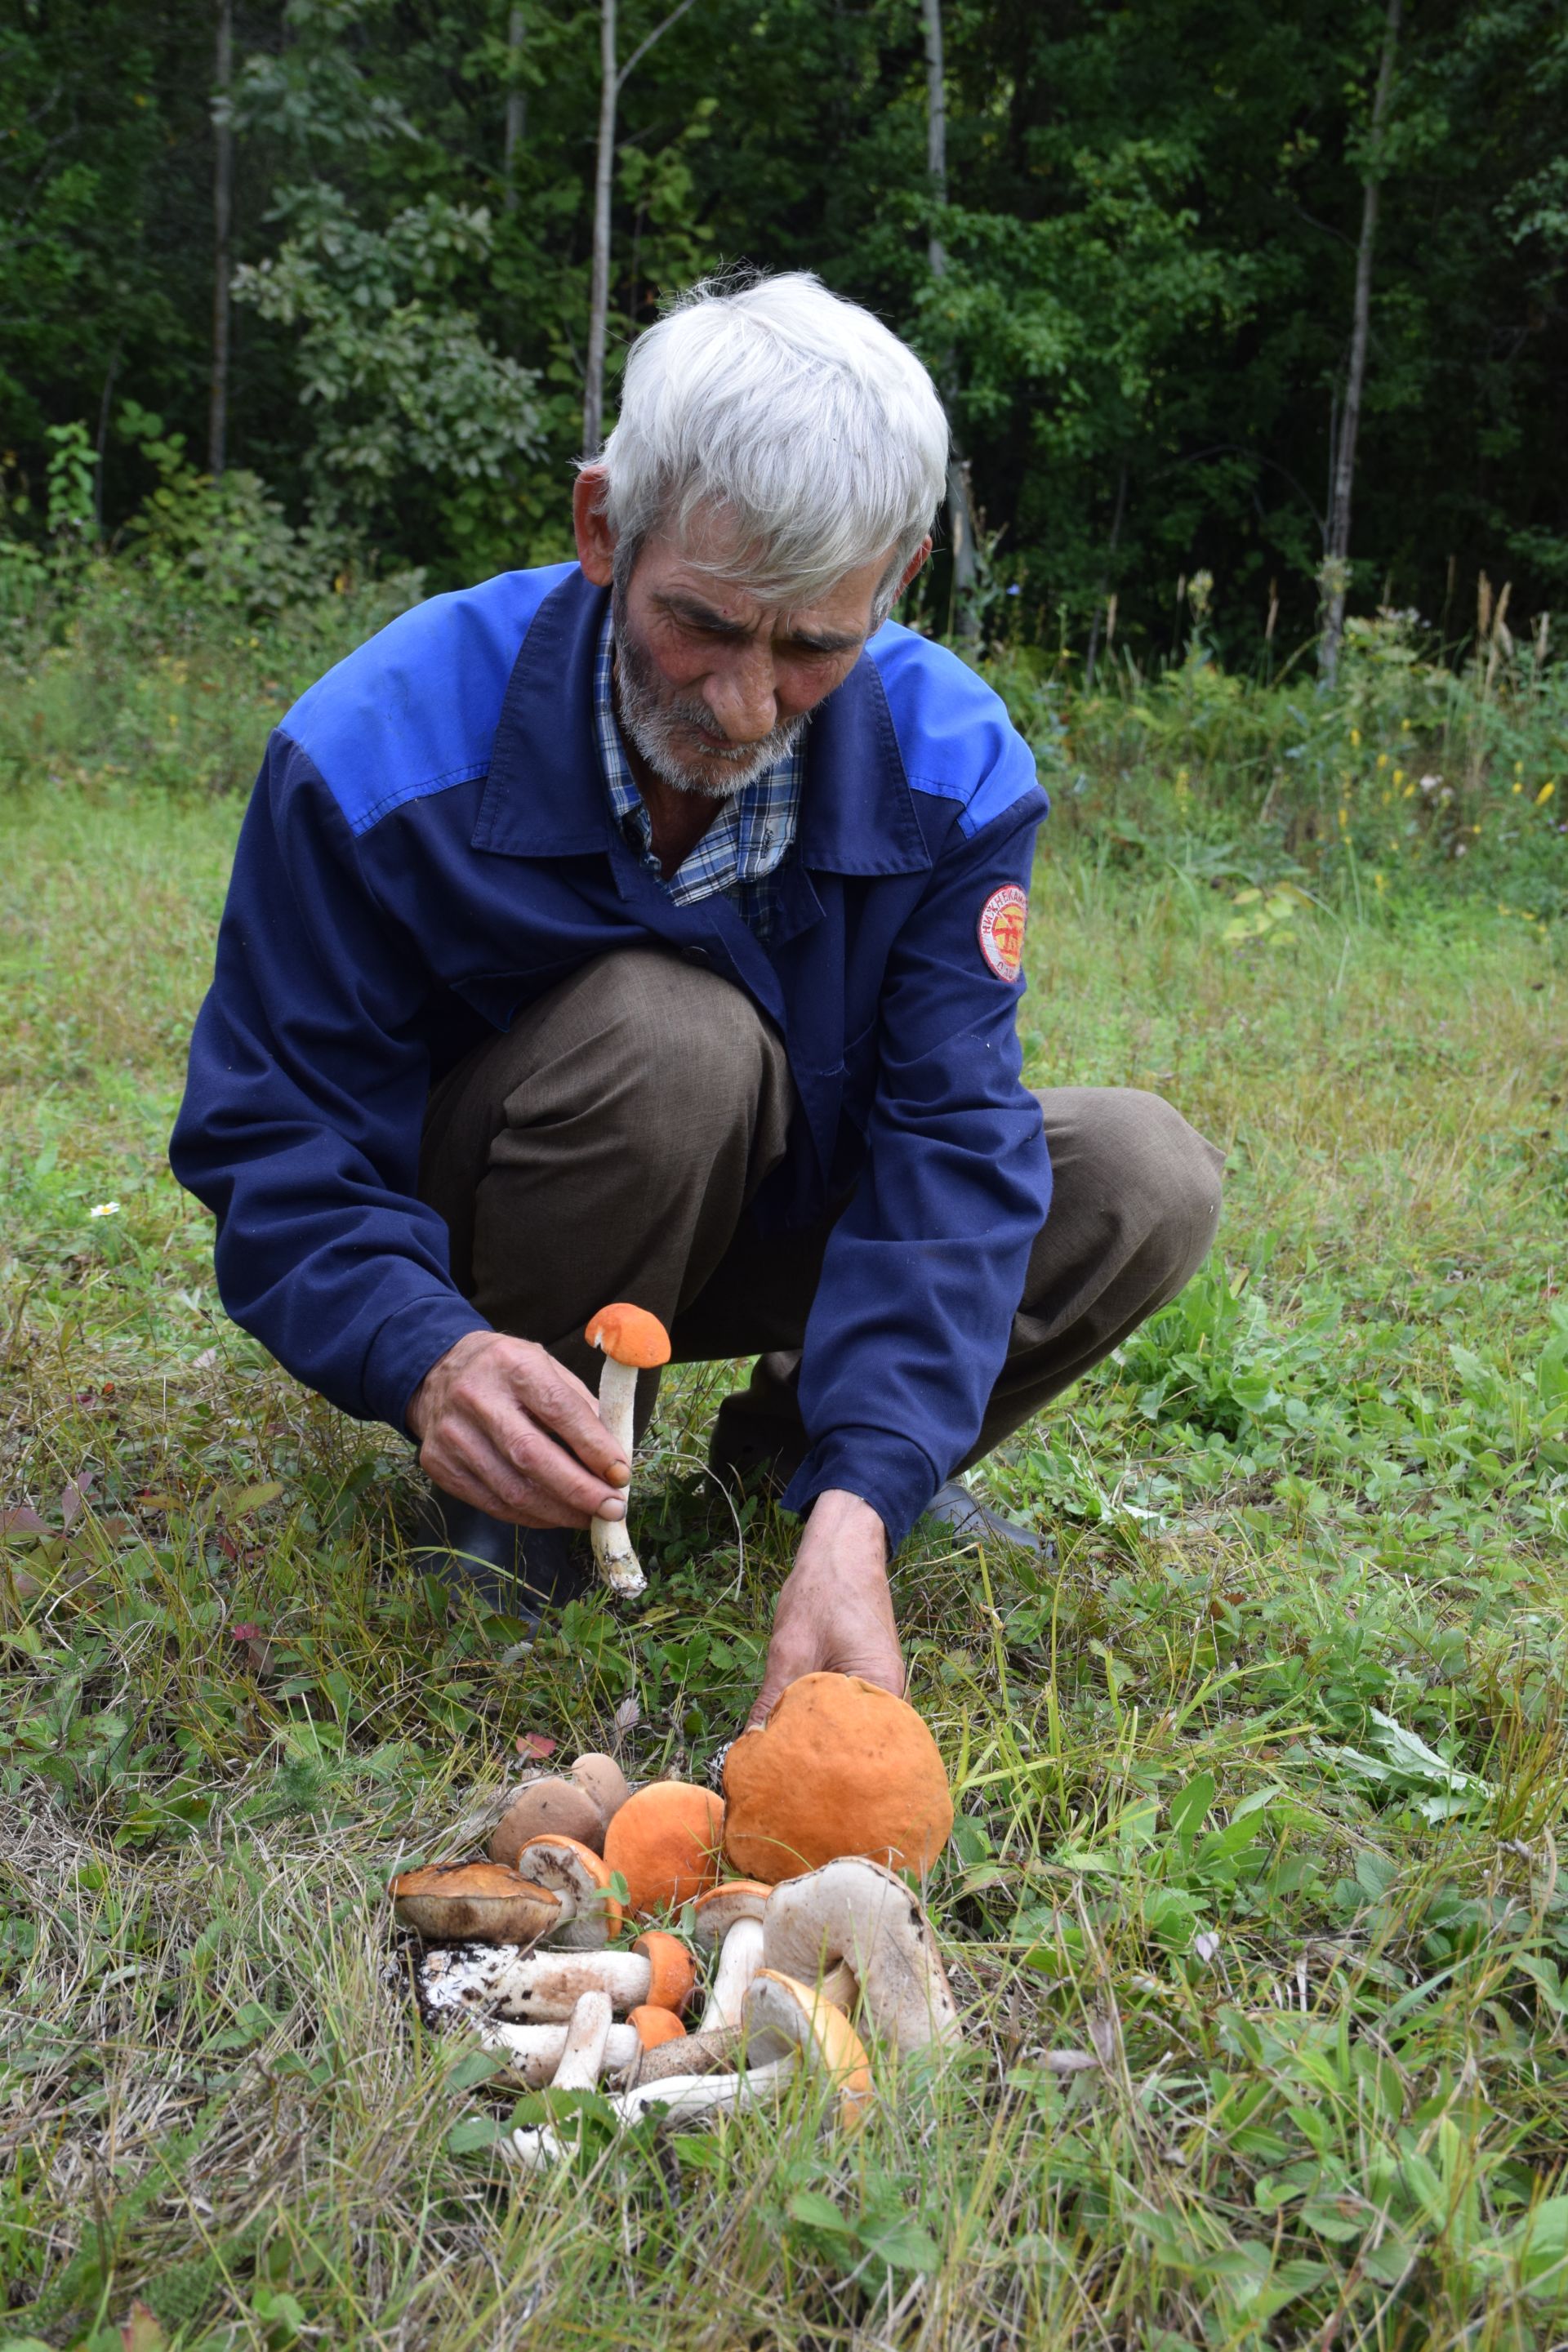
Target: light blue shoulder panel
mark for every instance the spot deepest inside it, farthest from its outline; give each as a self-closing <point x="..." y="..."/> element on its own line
<point x="953" y="730"/>
<point x="413" y="710"/>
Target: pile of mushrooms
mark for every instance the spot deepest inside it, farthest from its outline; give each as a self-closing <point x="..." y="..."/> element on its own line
<point x="818" y="1958"/>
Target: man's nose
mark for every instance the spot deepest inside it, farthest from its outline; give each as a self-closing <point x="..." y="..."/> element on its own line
<point x="741" y="695"/>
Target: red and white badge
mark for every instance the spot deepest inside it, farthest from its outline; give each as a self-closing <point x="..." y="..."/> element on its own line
<point x="1002" y="919"/>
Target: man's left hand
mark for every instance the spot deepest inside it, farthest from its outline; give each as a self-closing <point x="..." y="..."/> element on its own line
<point x="835" y="1613"/>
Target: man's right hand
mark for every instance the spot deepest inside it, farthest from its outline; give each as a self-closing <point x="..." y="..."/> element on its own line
<point x="501" y="1425"/>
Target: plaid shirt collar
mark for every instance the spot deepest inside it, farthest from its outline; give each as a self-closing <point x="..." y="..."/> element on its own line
<point x="748" y="841"/>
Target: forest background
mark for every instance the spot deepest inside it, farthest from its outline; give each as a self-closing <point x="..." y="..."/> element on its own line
<point x="346" y="246"/>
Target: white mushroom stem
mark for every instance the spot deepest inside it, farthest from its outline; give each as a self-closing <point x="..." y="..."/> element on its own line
<point x="617" y="1562"/>
<point x="740" y="1957"/>
<point x="523" y="1987"/>
<point x="839" y="1985"/>
<point x="582" y="2059"/>
<point x="702" y="2095"/>
<point x="532" y="2052"/>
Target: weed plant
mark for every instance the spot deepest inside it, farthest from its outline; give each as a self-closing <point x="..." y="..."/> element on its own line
<point x="1254" y="1899"/>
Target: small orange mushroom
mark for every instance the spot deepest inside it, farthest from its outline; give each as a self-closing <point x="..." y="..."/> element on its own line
<point x="633" y="1341"/>
<point x="655" y="2025"/>
<point x="672" y="1971"/>
<point x="665" y="1840"/>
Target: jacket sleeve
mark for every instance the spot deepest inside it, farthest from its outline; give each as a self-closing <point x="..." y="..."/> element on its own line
<point x="304" y="1099"/>
<point x="924" y="1270"/>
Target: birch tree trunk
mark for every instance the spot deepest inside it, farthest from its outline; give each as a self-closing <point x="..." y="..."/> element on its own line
<point x="959" y="507"/>
<point x="516" y="109"/>
<point x="1337" y="543"/>
<point x="223" y="214"/>
<point x="611" y="84"/>
<point x="599" y="287"/>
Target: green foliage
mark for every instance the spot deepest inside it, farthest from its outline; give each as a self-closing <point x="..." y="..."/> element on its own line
<point x="1149" y="239"/>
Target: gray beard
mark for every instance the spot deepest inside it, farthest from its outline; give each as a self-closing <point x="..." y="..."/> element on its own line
<point x="652" y="718"/>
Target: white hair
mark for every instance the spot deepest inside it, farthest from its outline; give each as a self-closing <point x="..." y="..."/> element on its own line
<point x="790" y="421"/>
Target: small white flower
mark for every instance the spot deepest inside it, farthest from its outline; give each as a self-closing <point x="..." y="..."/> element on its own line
<point x="105" y="1209"/>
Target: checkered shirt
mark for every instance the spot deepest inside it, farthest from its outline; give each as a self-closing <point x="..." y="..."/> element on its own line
<point x="749" y="839"/>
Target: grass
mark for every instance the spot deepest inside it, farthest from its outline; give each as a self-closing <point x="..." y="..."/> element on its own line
<point x="1260" y="1792"/>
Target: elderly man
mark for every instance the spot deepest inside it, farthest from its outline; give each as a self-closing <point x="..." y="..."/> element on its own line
<point x="651" y="927"/>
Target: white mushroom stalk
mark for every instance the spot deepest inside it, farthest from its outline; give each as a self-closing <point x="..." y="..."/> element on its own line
<point x="505" y="1982"/>
<point x="617" y="1561"/>
<point x="683" y="2095"/>
<point x="532" y="2052"/>
<point x="740" y="1957"/>
<point x="581" y="2064"/>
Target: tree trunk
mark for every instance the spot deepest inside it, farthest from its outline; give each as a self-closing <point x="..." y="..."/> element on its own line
<point x="960" y="507"/>
<point x="611" y="84"/>
<point x="223" y="211"/>
<point x="516" y="109"/>
<point x="1093" y="653"/>
<point x="1336" y="565"/>
<point x="599" y="289"/>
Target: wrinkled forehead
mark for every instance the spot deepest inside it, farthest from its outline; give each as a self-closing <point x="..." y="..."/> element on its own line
<point x="708" y="561"/>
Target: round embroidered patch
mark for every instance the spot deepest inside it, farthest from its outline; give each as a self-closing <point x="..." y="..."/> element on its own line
<point x="1001" y="930"/>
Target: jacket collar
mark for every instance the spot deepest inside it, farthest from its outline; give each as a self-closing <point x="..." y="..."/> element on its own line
<point x="545" y="794"/>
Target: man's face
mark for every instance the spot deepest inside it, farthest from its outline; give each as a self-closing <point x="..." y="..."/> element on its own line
<point x="714" y="683"/>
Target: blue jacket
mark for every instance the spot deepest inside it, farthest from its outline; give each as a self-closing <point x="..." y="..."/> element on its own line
<point x="429" y="847"/>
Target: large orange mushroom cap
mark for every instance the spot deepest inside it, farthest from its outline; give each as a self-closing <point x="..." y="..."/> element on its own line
<point x="666" y="1843"/>
<point x="840" y="1767"/>
<point x="630" y="1334"/>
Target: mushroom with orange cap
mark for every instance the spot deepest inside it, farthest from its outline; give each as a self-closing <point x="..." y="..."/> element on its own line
<point x="502" y="1982"/>
<point x="840" y="1767"/>
<point x="664" y="1842"/>
<point x="474" y="1902"/>
<point x="633" y="1341"/>
<point x="590" y="1915"/>
<point x="727" y="1924"/>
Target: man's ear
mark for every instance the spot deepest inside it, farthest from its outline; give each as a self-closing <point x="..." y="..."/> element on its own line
<point x="595" y="539"/>
<point x="916" y="564"/>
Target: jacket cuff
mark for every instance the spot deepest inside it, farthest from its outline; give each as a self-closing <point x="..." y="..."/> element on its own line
<point x="894" y="1474"/>
<point x="403" y="1351"/>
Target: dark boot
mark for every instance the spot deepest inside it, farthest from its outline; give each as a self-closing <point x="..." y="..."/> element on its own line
<point x="513" y="1572"/>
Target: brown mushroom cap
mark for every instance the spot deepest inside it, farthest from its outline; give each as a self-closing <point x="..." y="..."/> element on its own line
<point x="655" y="2025"/>
<point x="840" y="1767"/>
<point x="473" y="1902"/>
<point x="630" y="1334"/>
<point x="605" y="1782"/>
<point x="665" y="1842"/>
<point x="672" y="1971"/>
<point x="582" y="1878"/>
<point x="547" y="1807"/>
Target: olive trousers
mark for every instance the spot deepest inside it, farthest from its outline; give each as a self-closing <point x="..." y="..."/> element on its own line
<point x="607" y="1146"/>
